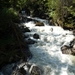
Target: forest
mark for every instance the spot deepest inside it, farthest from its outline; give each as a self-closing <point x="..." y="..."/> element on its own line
<point x="59" y="12"/>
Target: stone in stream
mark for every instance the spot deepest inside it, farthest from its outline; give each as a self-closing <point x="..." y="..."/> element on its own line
<point x="30" y="41"/>
<point x="27" y="69"/>
<point x="26" y="29"/>
<point x="73" y="50"/>
<point x="35" y="70"/>
<point x="20" y="71"/>
<point x="66" y="49"/>
<point x="39" y="24"/>
<point x="72" y="43"/>
<point x="74" y="32"/>
<point x="36" y="36"/>
<point x="51" y="29"/>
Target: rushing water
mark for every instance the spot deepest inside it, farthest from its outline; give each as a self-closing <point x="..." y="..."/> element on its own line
<point x="47" y="51"/>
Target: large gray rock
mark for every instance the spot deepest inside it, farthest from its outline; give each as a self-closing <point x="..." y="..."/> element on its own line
<point x="66" y="49"/>
<point x="35" y="70"/>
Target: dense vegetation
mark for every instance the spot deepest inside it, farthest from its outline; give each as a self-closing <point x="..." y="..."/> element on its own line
<point x="11" y="37"/>
<point x="61" y="12"/>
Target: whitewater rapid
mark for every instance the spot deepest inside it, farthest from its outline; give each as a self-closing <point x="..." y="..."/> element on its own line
<point x="47" y="51"/>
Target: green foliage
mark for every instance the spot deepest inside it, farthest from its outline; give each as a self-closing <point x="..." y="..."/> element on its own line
<point x="8" y="13"/>
<point x="62" y="9"/>
<point x="16" y="4"/>
<point x="53" y="8"/>
<point x="37" y="7"/>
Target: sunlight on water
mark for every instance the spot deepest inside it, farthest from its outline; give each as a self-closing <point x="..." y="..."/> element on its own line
<point x="46" y="52"/>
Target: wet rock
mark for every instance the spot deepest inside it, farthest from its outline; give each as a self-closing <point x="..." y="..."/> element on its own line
<point x="27" y="67"/>
<point x="51" y="29"/>
<point x="74" y="46"/>
<point x="73" y="49"/>
<point x="74" y="32"/>
<point x="26" y="29"/>
<point x="20" y="71"/>
<point x="72" y="43"/>
<point x="30" y="41"/>
<point x="25" y="36"/>
<point x="36" y="71"/>
<point x="39" y="24"/>
<point x="66" y="49"/>
<point x="36" y="36"/>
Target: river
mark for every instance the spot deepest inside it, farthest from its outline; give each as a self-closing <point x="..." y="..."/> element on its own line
<point x="47" y="49"/>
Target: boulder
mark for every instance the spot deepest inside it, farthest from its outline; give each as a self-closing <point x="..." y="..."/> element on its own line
<point x="66" y="49"/>
<point x="73" y="51"/>
<point x="36" y="36"/>
<point x="39" y="24"/>
<point x="20" y="71"/>
<point x="36" y="71"/>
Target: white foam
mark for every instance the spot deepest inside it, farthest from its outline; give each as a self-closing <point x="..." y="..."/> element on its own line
<point x="46" y="52"/>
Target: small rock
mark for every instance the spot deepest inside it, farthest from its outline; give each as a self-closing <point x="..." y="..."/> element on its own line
<point x="36" y="36"/>
<point x="74" y="32"/>
<point x="68" y="51"/>
<point x="26" y="29"/>
<point x="51" y="29"/>
<point x="30" y="41"/>
<point x="72" y="43"/>
<point x="39" y="24"/>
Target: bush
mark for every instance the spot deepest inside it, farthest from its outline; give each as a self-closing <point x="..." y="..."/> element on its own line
<point x="6" y="16"/>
